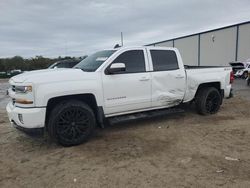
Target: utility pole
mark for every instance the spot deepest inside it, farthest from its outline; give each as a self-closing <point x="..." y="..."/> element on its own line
<point x="66" y="48"/>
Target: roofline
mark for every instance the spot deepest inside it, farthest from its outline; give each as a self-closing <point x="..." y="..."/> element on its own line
<point x="203" y="32"/>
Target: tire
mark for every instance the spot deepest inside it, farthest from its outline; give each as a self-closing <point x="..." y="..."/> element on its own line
<point x="71" y="123"/>
<point x="208" y="101"/>
<point x="245" y="75"/>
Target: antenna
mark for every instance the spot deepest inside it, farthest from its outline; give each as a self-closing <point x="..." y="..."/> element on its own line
<point x="121" y="39"/>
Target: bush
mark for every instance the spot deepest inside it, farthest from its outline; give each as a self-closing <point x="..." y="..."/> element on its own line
<point x="17" y="62"/>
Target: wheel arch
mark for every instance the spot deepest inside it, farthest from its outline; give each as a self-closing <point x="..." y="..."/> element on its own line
<point x="87" y="98"/>
<point x="216" y="85"/>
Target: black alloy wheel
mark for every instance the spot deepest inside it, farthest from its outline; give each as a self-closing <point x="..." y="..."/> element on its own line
<point x="208" y="101"/>
<point x="71" y="123"/>
<point x="213" y="102"/>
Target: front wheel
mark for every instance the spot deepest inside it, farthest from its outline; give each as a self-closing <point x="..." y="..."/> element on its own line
<point x="208" y="101"/>
<point x="71" y="122"/>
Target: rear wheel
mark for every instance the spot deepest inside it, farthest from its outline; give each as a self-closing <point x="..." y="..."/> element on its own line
<point x="245" y="75"/>
<point x="208" y="100"/>
<point x="71" y="123"/>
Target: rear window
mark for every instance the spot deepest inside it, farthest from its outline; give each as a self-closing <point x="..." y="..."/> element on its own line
<point x="164" y="60"/>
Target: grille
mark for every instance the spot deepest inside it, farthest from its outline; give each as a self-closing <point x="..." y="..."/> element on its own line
<point x="14" y="88"/>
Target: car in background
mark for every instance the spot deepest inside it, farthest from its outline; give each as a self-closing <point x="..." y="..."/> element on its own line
<point x="68" y="63"/>
<point x="11" y="73"/>
<point x="14" y="72"/>
<point x="3" y="74"/>
<point x="246" y="62"/>
<point x="243" y="73"/>
<point x="236" y="66"/>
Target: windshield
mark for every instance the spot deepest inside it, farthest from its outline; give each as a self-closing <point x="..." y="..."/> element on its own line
<point x="52" y="66"/>
<point x="94" y="61"/>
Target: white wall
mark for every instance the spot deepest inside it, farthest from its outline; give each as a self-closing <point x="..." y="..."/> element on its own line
<point x="244" y="42"/>
<point x="221" y="50"/>
<point x="165" y="44"/>
<point x="217" y="47"/>
<point x="188" y="48"/>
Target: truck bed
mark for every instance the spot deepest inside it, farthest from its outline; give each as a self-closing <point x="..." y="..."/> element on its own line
<point x="202" y="67"/>
<point x="197" y="75"/>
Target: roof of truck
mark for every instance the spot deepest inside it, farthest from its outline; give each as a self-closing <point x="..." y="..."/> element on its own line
<point x="129" y="47"/>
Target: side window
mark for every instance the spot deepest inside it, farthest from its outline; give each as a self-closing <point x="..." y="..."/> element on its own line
<point x="70" y="64"/>
<point x="67" y="65"/>
<point x="164" y="60"/>
<point x="60" y="65"/>
<point x="133" y="60"/>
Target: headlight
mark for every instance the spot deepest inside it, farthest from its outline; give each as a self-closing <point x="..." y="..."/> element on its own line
<point x="23" y="101"/>
<point x="23" y="89"/>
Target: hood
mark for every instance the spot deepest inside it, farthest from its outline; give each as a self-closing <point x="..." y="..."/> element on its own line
<point x="52" y="75"/>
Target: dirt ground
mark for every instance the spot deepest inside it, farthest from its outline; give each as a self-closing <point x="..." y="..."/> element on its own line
<point x="182" y="150"/>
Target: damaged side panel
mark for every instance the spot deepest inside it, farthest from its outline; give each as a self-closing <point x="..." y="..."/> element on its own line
<point x="195" y="77"/>
<point x="192" y="86"/>
<point x="167" y="90"/>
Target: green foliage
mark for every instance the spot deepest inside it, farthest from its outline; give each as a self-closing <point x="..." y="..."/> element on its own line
<point x="17" y="62"/>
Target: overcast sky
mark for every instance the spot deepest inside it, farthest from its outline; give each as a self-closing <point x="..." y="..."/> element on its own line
<point x="78" y="27"/>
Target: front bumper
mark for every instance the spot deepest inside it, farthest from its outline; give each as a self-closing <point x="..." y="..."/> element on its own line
<point x="29" y="131"/>
<point x="32" y="118"/>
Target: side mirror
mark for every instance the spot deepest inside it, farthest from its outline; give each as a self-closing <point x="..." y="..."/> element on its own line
<point x="116" y="67"/>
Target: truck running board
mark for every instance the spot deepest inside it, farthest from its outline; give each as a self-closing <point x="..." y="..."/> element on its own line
<point x="144" y="115"/>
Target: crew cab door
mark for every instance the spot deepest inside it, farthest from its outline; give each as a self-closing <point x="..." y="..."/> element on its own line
<point x="168" y="77"/>
<point x="128" y="90"/>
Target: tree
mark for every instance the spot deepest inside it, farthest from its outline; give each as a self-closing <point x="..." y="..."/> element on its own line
<point x="38" y="62"/>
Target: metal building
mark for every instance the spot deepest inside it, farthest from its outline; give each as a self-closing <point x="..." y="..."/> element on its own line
<point x="214" y="47"/>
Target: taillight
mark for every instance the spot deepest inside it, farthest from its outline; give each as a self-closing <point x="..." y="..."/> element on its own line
<point x="231" y="77"/>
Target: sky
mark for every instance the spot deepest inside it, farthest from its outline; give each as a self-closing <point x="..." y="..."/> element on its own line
<point x="53" y="28"/>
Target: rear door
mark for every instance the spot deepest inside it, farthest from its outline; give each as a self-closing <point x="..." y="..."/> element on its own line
<point x="129" y="90"/>
<point x="168" y="77"/>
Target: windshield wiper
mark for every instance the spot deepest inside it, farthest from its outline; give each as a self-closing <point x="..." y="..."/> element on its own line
<point x="85" y="70"/>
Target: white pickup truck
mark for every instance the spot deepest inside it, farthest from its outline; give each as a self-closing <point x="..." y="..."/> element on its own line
<point x="68" y="103"/>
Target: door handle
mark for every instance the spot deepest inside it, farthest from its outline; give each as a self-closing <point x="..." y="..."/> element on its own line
<point x="144" y="79"/>
<point x="179" y="76"/>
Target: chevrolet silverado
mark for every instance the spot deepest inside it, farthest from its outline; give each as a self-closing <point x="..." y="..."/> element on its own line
<point x="69" y="103"/>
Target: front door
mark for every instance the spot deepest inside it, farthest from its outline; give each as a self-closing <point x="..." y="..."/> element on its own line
<point x="129" y="90"/>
